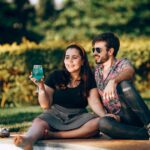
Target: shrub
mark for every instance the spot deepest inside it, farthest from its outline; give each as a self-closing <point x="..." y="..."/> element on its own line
<point x="16" y="62"/>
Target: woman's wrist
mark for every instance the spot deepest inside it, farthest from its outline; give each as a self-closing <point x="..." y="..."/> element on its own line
<point x="40" y="90"/>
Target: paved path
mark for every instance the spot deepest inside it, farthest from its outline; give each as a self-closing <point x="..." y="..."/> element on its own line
<point x="81" y="144"/>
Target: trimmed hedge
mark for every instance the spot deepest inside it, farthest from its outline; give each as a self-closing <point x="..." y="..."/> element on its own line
<point x="16" y="62"/>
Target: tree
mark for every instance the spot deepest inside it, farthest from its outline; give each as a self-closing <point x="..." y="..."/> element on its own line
<point x="76" y="20"/>
<point x="83" y="19"/>
<point x="44" y="10"/>
<point x="16" y="16"/>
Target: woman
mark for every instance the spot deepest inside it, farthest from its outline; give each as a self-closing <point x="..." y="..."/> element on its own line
<point x="64" y="96"/>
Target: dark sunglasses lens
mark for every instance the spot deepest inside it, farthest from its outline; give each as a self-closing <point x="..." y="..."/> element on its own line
<point x="98" y="50"/>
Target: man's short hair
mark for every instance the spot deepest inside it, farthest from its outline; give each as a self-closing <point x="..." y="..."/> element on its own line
<point x="112" y="41"/>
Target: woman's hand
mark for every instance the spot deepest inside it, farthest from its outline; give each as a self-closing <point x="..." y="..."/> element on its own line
<point x="45" y="93"/>
<point x="40" y="84"/>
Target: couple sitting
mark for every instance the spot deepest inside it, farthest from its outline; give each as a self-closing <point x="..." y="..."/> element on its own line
<point x="64" y="95"/>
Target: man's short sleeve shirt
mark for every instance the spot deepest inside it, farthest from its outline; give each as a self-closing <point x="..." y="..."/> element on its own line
<point x="113" y="105"/>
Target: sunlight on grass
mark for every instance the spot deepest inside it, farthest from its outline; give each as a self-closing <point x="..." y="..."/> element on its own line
<point x="19" y="119"/>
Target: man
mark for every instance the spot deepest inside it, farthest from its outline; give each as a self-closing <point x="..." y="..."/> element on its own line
<point x="119" y="97"/>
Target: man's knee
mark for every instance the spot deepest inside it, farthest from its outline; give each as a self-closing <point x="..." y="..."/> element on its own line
<point x="105" y="123"/>
<point x="93" y="124"/>
<point x="124" y="86"/>
<point x="127" y="89"/>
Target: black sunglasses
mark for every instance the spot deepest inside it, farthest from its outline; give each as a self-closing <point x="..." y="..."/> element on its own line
<point x="97" y="49"/>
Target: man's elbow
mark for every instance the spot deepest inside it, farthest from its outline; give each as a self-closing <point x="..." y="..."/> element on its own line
<point x="132" y="72"/>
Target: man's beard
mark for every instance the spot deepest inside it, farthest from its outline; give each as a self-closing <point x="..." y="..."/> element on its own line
<point x="102" y="60"/>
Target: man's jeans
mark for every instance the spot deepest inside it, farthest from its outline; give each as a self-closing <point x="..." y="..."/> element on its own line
<point x="134" y="114"/>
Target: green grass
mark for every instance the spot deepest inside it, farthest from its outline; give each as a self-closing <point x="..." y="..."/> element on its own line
<point x="19" y="119"/>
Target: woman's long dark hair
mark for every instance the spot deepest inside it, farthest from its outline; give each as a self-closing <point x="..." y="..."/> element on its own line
<point x="85" y="72"/>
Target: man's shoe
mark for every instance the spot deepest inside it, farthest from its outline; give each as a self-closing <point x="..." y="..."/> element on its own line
<point x="148" y="129"/>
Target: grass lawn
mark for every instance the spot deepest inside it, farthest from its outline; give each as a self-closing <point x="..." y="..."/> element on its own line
<point x="19" y="119"/>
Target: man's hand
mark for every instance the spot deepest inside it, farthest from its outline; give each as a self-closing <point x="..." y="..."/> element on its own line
<point x="116" y="117"/>
<point x="110" y="90"/>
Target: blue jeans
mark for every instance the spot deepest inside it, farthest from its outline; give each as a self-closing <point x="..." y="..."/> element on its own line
<point x="134" y="115"/>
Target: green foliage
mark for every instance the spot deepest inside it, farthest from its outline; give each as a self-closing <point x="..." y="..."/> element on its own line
<point x="76" y="20"/>
<point x="44" y="9"/>
<point x="16" y="62"/>
<point x="15" y="68"/>
<point x="83" y="19"/>
<point x="137" y="50"/>
<point x="15" y="18"/>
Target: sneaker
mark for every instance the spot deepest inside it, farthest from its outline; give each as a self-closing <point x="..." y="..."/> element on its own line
<point x="148" y="128"/>
<point x="4" y="132"/>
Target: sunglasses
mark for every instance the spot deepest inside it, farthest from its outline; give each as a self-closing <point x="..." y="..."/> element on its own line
<point x="97" y="49"/>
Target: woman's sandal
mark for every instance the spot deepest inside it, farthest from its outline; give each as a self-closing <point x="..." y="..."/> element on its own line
<point x="4" y="132"/>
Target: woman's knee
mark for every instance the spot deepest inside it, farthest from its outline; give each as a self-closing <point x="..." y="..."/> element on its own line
<point x="41" y="122"/>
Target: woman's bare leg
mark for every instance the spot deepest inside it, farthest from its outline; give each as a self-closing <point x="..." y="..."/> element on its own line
<point x="87" y="130"/>
<point x="34" y="133"/>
